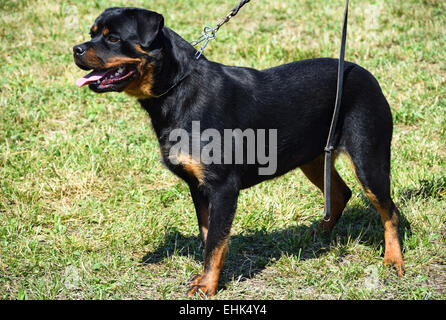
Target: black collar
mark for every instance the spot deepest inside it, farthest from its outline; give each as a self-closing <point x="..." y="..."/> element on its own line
<point x="184" y="76"/>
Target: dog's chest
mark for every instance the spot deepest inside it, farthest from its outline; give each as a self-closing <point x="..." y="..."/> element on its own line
<point x="180" y="161"/>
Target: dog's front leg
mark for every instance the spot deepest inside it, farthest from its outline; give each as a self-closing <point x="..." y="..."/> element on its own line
<point x="222" y="205"/>
<point x="201" y="204"/>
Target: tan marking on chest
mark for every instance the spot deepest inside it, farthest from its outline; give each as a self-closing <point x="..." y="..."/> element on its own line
<point x="192" y="166"/>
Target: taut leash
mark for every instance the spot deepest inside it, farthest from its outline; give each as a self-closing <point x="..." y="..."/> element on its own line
<point x="330" y="143"/>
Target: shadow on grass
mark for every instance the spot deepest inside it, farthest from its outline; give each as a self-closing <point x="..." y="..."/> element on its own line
<point x="254" y="250"/>
<point x="433" y="188"/>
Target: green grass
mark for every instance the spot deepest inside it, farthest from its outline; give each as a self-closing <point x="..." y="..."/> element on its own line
<point x="84" y="198"/>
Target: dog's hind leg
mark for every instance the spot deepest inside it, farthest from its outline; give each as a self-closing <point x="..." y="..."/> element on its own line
<point x="374" y="176"/>
<point x="366" y="137"/>
<point x="222" y="205"/>
<point x="340" y="193"/>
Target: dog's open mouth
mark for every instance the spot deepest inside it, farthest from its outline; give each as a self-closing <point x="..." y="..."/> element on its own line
<point x="103" y="79"/>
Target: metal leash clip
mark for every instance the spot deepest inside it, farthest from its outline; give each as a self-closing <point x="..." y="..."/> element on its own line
<point x="209" y="34"/>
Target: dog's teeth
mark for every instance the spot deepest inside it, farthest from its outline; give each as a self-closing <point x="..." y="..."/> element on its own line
<point x="120" y="70"/>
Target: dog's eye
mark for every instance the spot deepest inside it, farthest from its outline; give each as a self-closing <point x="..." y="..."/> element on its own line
<point x="112" y="39"/>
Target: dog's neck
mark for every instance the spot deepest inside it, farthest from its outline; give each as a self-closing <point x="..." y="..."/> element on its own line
<point x="178" y="65"/>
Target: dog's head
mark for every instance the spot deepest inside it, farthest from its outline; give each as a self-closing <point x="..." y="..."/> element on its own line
<point x="123" y="51"/>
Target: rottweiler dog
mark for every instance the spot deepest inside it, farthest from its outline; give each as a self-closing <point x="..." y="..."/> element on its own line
<point x="132" y="51"/>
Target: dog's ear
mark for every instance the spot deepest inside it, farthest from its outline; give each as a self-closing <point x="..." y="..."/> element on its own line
<point x="149" y="26"/>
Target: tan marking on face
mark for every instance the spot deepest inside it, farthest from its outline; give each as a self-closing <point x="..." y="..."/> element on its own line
<point x="95" y="62"/>
<point x="142" y="86"/>
<point x="94" y="28"/>
<point x="140" y="49"/>
<point x="92" y="59"/>
<point x="105" y="31"/>
<point x="119" y="61"/>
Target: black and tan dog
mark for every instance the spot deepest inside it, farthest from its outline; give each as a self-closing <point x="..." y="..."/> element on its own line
<point x="132" y="51"/>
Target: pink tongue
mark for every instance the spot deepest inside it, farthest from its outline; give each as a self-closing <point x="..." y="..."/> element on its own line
<point x="92" y="76"/>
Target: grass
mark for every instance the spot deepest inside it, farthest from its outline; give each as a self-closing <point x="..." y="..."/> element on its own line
<point x="87" y="211"/>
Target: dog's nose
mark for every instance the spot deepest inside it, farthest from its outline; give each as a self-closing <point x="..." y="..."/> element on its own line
<point x="79" y="50"/>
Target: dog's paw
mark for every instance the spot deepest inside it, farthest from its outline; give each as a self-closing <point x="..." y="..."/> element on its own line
<point x="196" y="285"/>
<point x="395" y="262"/>
<point x="327" y="226"/>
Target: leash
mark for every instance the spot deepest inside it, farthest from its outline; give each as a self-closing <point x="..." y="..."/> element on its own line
<point x="210" y="33"/>
<point x="330" y="143"/>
